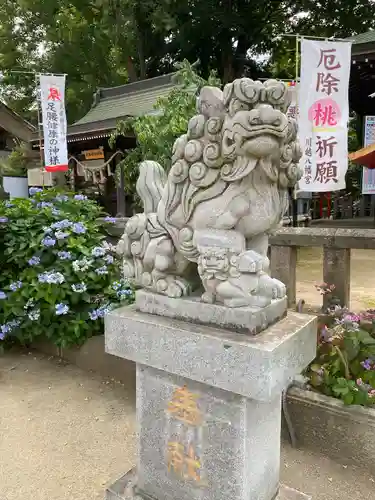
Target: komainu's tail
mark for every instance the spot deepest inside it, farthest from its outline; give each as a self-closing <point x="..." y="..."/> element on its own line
<point x="150" y="185"/>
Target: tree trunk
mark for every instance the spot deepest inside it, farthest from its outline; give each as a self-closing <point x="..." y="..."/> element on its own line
<point x="132" y="74"/>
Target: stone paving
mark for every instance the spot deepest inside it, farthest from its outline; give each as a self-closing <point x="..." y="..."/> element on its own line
<point x="66" y="434"/>
<point x="362" y="277"/>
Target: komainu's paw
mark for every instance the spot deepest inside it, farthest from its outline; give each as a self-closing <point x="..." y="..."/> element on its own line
<point x="278" y="289"/>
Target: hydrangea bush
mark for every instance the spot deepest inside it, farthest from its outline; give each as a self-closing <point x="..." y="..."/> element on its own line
<point x="344" y="367"/>
<point x="58" y="275"/>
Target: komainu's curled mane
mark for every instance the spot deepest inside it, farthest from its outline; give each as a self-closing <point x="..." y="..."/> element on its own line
<point x="229" y="176"/>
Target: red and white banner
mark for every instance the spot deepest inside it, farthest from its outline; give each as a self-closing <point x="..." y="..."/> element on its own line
<point x="324" y="114"/>
<point x="52" y="89"/>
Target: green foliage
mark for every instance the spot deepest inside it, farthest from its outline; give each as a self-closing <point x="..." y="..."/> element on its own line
<point x="105" y="43"/>
<point x="157" y="132"/>
<point x="57" y="276"/>
<point x="15" y="165"/>
<point x="344" y="367"/>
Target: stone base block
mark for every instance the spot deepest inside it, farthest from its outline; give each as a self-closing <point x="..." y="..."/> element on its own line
<point x="249" y="320"/>
<point x="257" y="367"/>
<point x="125" y="489"/>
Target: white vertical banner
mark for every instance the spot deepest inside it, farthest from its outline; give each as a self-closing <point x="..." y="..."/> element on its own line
<point x="293" y="109"/>
<point x="52" y="89"/>
<point x="368" y="175"/>
<point x="324" y="114"/>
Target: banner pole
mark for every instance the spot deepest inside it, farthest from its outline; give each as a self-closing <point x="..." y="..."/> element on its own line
<point x="294" y="193"/>
<point x="38" y="101"/>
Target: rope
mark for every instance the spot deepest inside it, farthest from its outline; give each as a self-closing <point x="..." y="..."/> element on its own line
<point x="95" y="168"/>
<point x="93" y="171"/>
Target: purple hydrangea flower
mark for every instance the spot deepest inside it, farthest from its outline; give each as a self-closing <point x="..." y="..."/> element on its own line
<point x="108" y="259"/>
<point x="61" y="224"/>
<point x="61" y="309"/>
<point x="64" y="255"/>
<point x="98" y="252"/>
<point x="48" y="242"/>
<point x="3" y="295"/>
<point x="110" y="220"/>
<point x="79" y="228"/>
<point x="15" y="286"/>
<point x="34" y="261"/>
<point x="367" y="364"/>
<point x="80" y="197"/>
<point x="34" y="190"/>
<point x="3" y="220"/>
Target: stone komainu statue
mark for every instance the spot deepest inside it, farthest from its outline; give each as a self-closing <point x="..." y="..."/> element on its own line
<point x="206" y="224"/>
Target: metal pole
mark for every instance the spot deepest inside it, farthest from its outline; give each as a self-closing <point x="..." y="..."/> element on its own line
<point x="40" y="124"/>
<point x="298" y="35"/>
<point x="294" y="192"/>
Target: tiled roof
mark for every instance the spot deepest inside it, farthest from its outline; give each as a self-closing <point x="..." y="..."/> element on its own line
<point x="367" y="37"/>
<point x="133" y="99"/>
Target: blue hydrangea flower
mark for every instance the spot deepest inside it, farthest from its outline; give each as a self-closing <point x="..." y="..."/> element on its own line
<point x="15" y="286"/>
<point x="100" y="312"/>
<point x="3" y="295"/>
<point x="61" y="309"/>
<point x="64" y="255"/>
<point x="34" y="261"/>
<point x="9" y="204"/>
<point x="51" y="277"/>
<point x="79" y="228"/>
<point x="3" y="220"/>
<point x="98" y="252"/>
<point x="62" y="197"/>
<point x="116" y="285"/>
<point x="34" y="315"/>
<point x="61" y="235"/>
<point x="79" y="288"/>
<point x="124" y="293"/>
<point x="44" y="204"/>
<point x="56" y="211"/>
<point x="108" y="259"/>
<point x="101" y="270"/>
<point x="103" y="310"/>
<point x="47" y="230"/>
<point x="61" y="224"/>
<point x="34" y="190"/>
<point x="93" y="315"/>
<point x="110" y="220"/>
<point x="48" y="241"/>
<point x="8" y="327"/>
<point x="80" y="197"/>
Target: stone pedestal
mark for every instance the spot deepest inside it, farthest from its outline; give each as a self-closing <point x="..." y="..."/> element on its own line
<point x="208" y="405"/>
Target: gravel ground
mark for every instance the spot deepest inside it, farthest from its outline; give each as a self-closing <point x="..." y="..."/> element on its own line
<point x="66" y="434"/>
